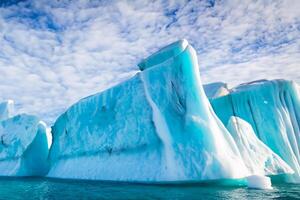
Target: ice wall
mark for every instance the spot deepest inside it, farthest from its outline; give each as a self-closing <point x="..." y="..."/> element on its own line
<point x="157" y="126"/>
<point x="273" y="110"/>
<point x="23" y="145"/>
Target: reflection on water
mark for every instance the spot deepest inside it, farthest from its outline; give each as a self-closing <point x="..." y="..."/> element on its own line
<point x="37" y="188"/>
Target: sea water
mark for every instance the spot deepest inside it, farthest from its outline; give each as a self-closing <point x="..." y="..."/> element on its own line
<point x="41" y="188"/>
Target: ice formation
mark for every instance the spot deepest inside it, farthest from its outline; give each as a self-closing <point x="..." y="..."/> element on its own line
<point x="160" y="126"/>
<point x="23" y="148"/>
<point x="259" y="182"/>
<point x="6" y="109"/>
<point x="272" y="108"/>
<point x="258" y="157"/>
<point x="157" y="126"/>
<point x="214" y="90"/>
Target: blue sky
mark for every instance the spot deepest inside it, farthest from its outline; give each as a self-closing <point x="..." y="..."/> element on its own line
<point x="53" y="53"/>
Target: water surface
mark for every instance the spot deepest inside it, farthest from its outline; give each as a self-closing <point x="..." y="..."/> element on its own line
<point x="42" y="188"/>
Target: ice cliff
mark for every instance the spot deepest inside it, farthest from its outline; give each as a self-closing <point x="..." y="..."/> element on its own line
<point x="157" y="126"/>
<point x="23" y="147"/>
<point x="272" y="108"/>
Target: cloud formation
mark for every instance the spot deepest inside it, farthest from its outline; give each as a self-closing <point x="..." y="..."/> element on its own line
<point x="52" y="53"/>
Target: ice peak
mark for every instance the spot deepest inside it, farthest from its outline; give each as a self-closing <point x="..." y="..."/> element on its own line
<point x="164" y="54"/>
<point x="6" y="109"/>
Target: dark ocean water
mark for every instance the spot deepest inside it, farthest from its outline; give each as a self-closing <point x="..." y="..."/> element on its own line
<point x="38" y="188"/>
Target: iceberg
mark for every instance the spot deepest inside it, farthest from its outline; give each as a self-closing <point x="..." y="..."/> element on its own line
<point x="157" y="126"/>
<point x="6" y="109"/>
<point x="163" y="126"/>
<point x="259" y="182"/>
<point x="272" y="108"/>
<point x="23" y="148"/>
<point x="215" y="90"/>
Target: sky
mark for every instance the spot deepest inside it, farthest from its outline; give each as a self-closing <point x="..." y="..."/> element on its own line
<point x="53" y="53"/>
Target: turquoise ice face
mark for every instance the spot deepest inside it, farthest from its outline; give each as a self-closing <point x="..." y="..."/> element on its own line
<point x="273" y="110"/>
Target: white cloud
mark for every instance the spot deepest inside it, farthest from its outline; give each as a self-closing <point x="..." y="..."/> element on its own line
<point x="52" y="53"/>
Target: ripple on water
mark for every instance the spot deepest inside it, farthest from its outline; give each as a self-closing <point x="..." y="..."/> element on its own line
<point x="38" y="188"/>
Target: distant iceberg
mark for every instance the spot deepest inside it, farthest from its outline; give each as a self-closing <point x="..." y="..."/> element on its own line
<point x="6" y="109"/>
<point x="23" y="147"/>
<point x="215" y="90"/>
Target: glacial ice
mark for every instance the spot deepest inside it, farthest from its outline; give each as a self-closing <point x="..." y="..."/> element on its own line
<point x="215" y="90"/>
<point x="157" y="126"/>
<point x="170" y="51"/>
<point x="6" y="109"/>
<point x="259" y="182"/>
<point x="23" y="148"/>
<point x="272" y="108"/>
<point x="258" y="157"/>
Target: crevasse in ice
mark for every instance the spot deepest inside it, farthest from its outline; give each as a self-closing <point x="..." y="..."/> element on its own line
<point x="272" y="108"/>
<point x="157" y="126"/>
<point x="23" y="147"/>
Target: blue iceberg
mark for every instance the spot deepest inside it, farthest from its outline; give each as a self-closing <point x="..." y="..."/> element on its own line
<point x="157" y="126"/>
<point x="24" y="145"/>
<point x="272" y="108"/>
